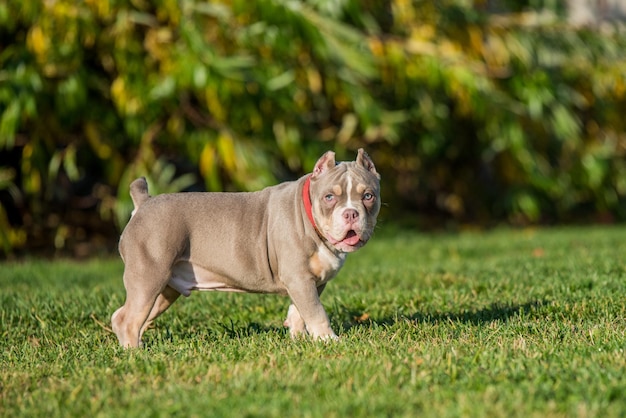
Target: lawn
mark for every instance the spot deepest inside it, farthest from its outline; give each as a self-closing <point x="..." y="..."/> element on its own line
<point x="507" y="323"/>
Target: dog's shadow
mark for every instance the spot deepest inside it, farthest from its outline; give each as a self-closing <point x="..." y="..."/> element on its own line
<point x="242" y="330"/>
<point x="493" y="313"/>
<point x="232" y="330"/>
<point x="346" y="318"/>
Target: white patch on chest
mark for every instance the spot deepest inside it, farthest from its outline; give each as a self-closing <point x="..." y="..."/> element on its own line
<point x="324" y="264"/>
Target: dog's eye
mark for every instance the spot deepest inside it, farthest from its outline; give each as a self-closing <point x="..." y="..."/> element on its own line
<point x="368" y="196"/>
<point x="329" y="197"/>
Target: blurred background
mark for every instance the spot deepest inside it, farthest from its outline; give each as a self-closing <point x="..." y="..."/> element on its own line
<point x="476" y="113"/>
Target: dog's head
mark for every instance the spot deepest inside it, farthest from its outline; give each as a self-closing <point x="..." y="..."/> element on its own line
<point x="345" y="200"/>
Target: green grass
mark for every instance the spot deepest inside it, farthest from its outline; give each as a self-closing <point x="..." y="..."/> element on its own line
<point x="527" y="323"/>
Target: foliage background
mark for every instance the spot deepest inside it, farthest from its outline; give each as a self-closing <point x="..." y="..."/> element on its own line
<point x="474" y="112"/>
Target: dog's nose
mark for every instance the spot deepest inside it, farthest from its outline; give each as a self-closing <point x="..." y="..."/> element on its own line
<point x="350" y="215"/>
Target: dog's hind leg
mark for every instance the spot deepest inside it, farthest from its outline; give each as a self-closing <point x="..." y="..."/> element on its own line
<point x="163" y="301"/>
<point x="128" y="321"/>
<point x="294" y="320"/>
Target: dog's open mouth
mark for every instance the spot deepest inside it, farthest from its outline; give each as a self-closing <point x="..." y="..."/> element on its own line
<point x="351" y="238"/>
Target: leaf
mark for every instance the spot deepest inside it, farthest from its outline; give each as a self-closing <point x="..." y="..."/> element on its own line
<point x="208" y="167"/>
<point x="528" y="205"/>
<point x="565" y="124"/>
<point x="8" y="124"/>
<point x="231" y="67"/>
<point x="226" y="150"/>
<point x="164" y="89"/>
<point x="55" y="164"/>
<point x="69" y="163"/>
<point x="219" y="11"/>
<point x="281" y="81"/>
<point x="200" y="76"/>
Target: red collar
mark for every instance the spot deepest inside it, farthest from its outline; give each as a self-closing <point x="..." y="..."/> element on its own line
<point x="306" y="199"/>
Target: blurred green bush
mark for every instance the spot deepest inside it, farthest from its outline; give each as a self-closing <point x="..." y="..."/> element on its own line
<point x="471" y="115"/>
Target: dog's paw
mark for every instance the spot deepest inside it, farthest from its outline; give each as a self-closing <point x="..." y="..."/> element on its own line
<point x="297" y="330"/>
<point x="298" y="334"/>
<point x="327" y="338"/>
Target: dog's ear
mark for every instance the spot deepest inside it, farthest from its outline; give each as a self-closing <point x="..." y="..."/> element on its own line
<point x="364" y="160"/>
<point x="326" y="162"/>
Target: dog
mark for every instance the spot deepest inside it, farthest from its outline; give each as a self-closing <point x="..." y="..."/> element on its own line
<point x="288" y="239"/>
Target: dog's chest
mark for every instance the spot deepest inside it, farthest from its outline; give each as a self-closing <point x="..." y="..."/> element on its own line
<point x="324" y="264"/>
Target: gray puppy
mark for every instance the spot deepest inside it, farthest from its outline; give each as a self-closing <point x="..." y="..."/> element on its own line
<point x="289" y="239"/>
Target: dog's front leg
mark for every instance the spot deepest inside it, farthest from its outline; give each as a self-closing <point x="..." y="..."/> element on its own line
<point x="308" y="308"/>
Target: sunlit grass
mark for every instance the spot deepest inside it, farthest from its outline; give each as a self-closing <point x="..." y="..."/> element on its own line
<point x="506" y="323"/>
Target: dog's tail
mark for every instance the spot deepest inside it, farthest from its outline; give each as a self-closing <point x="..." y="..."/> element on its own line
<point x="139" y="192"/>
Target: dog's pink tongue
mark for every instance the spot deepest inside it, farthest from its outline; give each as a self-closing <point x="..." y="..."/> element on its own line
<point x="351" y="238"/>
